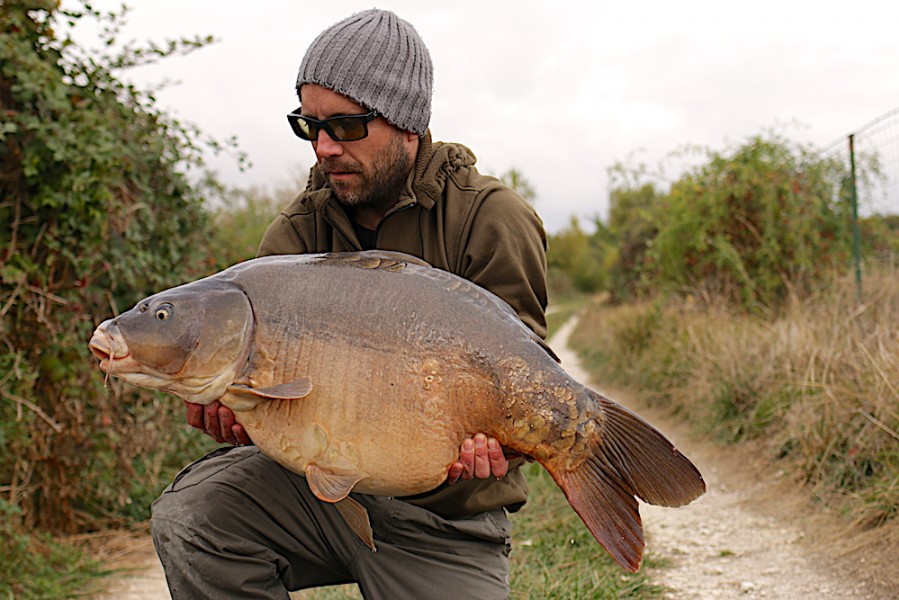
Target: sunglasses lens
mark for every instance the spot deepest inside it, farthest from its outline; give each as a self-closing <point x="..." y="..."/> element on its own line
<point x="340" y="129"/>
<point x="303" y="128"/>
<point x="347" y="129"/>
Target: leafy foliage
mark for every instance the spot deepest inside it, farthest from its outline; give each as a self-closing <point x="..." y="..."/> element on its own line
<point x="577" y="258"/>
<point x="632" y="226"/>
<point x="242" y="217"/>
<point x="97" y="211"/>
<point x="751" y="225"/>
<point x="517" y="181"/>
<point x="754" y="224"/>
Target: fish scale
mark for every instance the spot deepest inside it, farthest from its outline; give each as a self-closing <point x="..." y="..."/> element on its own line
<point x="352" y="364"/>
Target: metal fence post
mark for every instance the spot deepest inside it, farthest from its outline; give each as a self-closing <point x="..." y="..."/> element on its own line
<point x="856" y="234"/>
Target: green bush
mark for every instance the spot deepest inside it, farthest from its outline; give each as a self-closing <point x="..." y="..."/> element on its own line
<point x="241" y="218"/>
<point x="575" y="257"/>
<point x="632" y="227"/>
<point x="97" y="211"/>
<point x="753" y="224"/>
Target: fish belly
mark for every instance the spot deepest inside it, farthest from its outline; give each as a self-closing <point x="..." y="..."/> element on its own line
<point x="396" y="420"/>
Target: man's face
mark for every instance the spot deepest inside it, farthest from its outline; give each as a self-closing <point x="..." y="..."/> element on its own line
<point x="370" y="171"/>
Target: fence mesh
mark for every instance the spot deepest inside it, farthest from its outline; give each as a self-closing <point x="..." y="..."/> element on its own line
<point x="877" y="163"/>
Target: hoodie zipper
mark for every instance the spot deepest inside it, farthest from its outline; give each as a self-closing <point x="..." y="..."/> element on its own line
<point x="352" y="242"/>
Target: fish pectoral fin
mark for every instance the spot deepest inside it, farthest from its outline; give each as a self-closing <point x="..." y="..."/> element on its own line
<point x="330" y="486"/>
<point x="356" y="517"/>
<point x="292" y="390"/>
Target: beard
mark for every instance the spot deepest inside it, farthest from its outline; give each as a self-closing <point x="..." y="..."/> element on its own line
<point x="380" y="186"/>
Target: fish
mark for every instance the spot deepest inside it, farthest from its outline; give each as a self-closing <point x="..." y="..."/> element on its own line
<point x="342" y="366"/>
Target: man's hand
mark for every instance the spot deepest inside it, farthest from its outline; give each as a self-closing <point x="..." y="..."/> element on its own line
<point x="479" y="458"/>
<point x="217" y="421"/>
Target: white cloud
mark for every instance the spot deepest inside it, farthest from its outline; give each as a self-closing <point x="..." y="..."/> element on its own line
<point x="559" y="90"/>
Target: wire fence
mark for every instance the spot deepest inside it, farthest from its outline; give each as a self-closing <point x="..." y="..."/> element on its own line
<point x="871" y="155"/>
<point x="876" y="149"/>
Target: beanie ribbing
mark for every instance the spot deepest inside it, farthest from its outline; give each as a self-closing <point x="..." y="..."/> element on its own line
<point x="379" y="61"/>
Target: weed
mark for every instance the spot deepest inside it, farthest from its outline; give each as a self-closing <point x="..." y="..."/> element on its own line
<point x="817" y="382"/>
<point x="35" y="567"/>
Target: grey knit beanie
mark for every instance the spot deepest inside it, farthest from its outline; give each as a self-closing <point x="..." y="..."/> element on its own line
<point x="379" y="61"/>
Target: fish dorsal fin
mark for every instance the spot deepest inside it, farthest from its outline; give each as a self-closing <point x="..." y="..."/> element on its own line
<point x="377" y="259"/>
<point x="356" y="517"/>
<point x="330" y="486"/>
<point x="462" y="288"/>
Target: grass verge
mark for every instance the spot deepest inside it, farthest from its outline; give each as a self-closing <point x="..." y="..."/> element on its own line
<point x="34" y="566"/>
<point x="555" y="556"/>
<point x="817" y="384"/>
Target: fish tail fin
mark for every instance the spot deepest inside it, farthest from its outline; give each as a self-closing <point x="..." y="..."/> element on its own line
<point x="628" y="458"/>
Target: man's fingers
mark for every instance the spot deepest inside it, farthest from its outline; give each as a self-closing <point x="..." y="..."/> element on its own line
<point x="466" y="457"/>
<point x="454" y="473"/>
<point x="241" y="437"/>
<point x="226" y="426"/>
<point x="218" y="422"/>
<point x="211" y="422"/>
<point x="195" y="415"/>
<point x="479" y="457"/>
<point x="481" y="460"/>
<point x="499" y="465"/>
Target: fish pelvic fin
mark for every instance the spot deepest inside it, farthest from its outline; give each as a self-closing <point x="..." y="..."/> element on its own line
<point x="330" y="486"/>
<point x="356" y="517"/>
<point x="335" y="488"/>
<point x="243" y="397"/>
<point x="628" y="459"/>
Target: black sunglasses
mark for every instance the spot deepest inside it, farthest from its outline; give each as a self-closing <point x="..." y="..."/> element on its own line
<point x="345" y="128"/>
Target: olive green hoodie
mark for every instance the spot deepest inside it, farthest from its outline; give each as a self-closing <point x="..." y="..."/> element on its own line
<point x="457" y="220"/>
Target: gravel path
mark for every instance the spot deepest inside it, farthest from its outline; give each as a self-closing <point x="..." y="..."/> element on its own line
<point x="748" y="536"/>
<point x="752" y="535"/>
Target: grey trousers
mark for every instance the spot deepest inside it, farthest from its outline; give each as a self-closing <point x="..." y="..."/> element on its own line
<point x="237" y="525"/>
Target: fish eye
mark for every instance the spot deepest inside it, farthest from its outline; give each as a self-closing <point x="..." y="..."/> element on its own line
<point x="164" y="311"/>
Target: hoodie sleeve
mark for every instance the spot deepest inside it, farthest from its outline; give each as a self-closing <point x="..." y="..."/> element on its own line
<point x="505" y="252"/>
<point x="281" y="237"/>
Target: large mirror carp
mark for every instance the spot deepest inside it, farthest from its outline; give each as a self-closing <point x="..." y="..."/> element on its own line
<point x="365" y="371"/>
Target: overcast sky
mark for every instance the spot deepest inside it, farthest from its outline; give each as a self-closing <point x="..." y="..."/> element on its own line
<point x="559" y="90"/>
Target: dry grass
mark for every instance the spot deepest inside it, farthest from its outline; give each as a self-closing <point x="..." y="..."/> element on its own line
<point x="817" y="384"/>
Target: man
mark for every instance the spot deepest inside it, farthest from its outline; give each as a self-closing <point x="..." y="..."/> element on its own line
<point x="237" y="525"/>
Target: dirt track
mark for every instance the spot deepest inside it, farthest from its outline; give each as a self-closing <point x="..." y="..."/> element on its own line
<point x="753" y="535"/>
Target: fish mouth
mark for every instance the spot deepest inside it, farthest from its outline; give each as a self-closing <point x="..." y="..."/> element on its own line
<point x="104" y="353"/>
<point x="113" y="354"/>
